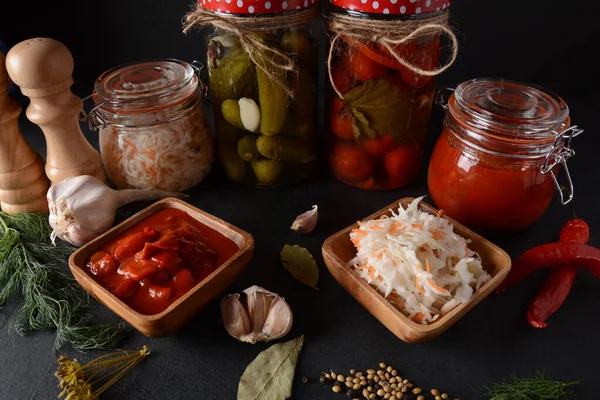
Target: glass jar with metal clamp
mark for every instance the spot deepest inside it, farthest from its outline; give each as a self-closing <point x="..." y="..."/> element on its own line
<point x="153" y="130"/>
<point x="496" y="164"/>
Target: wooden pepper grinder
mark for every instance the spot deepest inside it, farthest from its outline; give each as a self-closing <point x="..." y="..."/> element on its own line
<point x="23" y="184"/>
<point x="43" y="68"/>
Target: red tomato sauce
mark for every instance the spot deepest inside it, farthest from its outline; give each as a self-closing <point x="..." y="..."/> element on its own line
<point x="486" y="192"/>
<point x="159" y="259"/>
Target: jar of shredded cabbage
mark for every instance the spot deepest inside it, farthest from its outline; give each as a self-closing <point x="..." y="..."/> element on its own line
<point x="153" y="129"/>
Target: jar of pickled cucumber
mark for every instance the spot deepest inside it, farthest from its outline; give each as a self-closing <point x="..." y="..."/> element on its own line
<point x="383" y="60"/>
<point x="262" y="60"/>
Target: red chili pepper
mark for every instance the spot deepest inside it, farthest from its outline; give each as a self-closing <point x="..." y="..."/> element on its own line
<point x="558" y="284"/>
<point x="552" y="255"/>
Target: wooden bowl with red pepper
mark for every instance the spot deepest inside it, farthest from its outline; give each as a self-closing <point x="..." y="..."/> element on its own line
<point x="160" y="267"/>
<point x="338" y="250"/>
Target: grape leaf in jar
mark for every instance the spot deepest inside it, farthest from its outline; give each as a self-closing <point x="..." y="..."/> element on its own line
<point x="381" y="107"/>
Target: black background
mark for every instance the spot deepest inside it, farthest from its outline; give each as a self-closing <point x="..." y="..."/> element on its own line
<point x="553" y="44"/>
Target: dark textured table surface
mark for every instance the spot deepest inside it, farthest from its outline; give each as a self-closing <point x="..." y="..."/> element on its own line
<point x="492" y="341"/>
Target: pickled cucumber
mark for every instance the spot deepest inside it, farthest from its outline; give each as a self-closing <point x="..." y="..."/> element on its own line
<point x="305" y="96"/>
<point x="246" y="148"/>
<point x="231" y="112"/>
<point x="232" y="76"/>
<point x="298" y="127"/>
<point x="285" y="149"/>
<point x="234" y="166"/>
<point x="266" y="171"/>
<point x="273" y="102"/>
<point x="300" y="43"/>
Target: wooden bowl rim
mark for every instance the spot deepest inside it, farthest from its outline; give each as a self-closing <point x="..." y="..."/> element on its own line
<point x="443" y="320"/>
<point x="247" y="245"/>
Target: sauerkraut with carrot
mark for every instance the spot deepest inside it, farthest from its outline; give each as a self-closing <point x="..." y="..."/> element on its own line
<point x="172" y="156"/>
<point x="417" y="262"/>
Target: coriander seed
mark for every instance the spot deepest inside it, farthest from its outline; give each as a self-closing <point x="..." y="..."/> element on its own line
<point x="435" y="392"/>
<point x="336" y="389"/>
<point x="416" y="390"/>
<point x="356" y="386"/>
<point x="394" y="372"/>
<point x="341" y="378"/>
<point x="382" y="365"/>
<point x="445" y="396"/>
<point x="421" y="398"/>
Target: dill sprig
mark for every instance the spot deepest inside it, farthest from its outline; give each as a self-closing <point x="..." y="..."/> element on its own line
<point x="88" y="382"/>
<point x="535" y="387"/>
<point x="34" y="271"/>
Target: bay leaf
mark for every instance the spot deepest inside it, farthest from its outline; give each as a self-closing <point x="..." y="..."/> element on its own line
<point x="271" y="375"/>
<point x="301" y="264"/>
<point x="384" y="108"/>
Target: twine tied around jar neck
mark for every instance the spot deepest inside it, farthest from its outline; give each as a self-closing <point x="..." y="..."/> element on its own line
<point x="265" y="57"/>
<point x="389" y="34"/>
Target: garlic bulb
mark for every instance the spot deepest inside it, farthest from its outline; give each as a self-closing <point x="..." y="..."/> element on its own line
<point x="306" y="222"/>
<point x="83" y="207"/>
<point x="265" y="317"/>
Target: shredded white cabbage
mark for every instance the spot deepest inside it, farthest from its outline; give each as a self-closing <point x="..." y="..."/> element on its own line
<point x="173" y="156"/>
<point x="417" y="261"/>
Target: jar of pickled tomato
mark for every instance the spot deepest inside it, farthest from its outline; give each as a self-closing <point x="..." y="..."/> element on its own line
<point x="496" y="162"/>
<point x="153" y="130"/>
<point x="383" y="59"/>
<point x="262" y="59"/>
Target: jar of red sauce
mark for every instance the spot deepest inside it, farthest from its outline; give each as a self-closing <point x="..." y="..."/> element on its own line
<point x="496" y="162"/>
<point x="384" y="57"/>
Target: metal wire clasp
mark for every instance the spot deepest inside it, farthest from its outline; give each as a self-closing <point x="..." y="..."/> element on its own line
<point x="94" y="120"/>
<point x="559" y="154"/>
<point x="441" y="99"/>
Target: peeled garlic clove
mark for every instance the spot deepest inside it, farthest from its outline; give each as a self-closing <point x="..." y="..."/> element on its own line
<point x="249" y="114"/>
<point x="279" y="320"/>
<point x="235" y="318"/>
<point x="258" y="301"/>
<point x="306" y="222"/>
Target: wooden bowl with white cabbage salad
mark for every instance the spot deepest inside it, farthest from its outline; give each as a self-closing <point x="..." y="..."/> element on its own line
<point x="415" y="269"/>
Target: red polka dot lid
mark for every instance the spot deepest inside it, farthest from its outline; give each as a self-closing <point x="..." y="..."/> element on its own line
<point x="393" y="7"/>
<point x="256" y="6"/>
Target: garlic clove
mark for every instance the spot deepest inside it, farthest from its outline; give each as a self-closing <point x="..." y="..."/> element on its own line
<point x="265" y="317"/>
<point x="235" y="318"/>
<point x="279" y="320"/>
<point x="249" y="114"/>
<point x="306" y="222"/>
<point x="258" y="302"/>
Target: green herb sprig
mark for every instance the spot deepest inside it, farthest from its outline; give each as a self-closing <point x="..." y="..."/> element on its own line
<point x="34" y="271"/>
<point x="535" y="387"/>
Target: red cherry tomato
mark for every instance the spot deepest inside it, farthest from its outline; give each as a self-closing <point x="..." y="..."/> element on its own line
<point x="381" y="55"/>
<point x="138" y="270"/>
<point x="402" y="164"/>
<point x="125" y="288"/>
<point x="362" y="67"/>
<point x="378" y="145"/>
<point x="348" y="162"/>
<point x="426" y="56"/>
<point x="342" y="79"/>
<point x="183" y="281"/>
<point x="341" y="120"/>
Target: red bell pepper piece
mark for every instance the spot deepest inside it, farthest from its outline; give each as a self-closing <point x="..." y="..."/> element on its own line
<point x="134" y="243"/>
